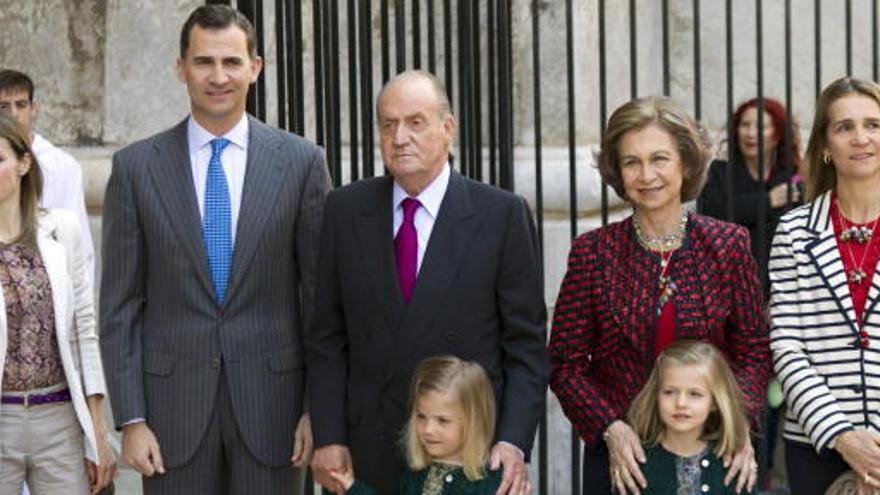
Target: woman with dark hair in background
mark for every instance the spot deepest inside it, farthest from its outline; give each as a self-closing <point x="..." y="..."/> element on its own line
<point x="635" y="286"/>
<point x="743" y="190"/>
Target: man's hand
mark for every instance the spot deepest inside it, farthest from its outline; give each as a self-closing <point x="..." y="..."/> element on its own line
<point x="624" y="455"/>
<point x="140" y="449"/>
<point x="334" y="457"/>
<point x="742" y="464"/>
<point x="515" y="477"/>
<point x="302" y="442"/>
<point x="103" y="473"/>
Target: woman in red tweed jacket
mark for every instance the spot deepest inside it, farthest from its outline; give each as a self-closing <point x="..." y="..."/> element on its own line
<point x="635" y="286"/>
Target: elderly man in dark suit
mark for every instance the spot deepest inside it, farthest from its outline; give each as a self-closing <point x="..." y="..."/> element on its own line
<point x="210" y="240"/>
<point x="414" y="264"/>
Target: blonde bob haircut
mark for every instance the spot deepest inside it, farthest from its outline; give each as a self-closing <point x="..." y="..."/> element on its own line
<point x="693" y="144"/>
<point x="821" y="176"/>
<point x="726" y="425"/>
<point x="467" y="384"/>
<point x="31" y="186"/>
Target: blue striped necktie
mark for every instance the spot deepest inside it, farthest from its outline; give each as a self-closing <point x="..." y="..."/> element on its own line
<point x="217" y="227"/>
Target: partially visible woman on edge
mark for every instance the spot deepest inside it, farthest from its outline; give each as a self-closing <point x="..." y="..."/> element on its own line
<point x="751" y="200"/>
<point x="634" y="287"/>
<point x="824" y="293"/>
<point x="51" y="407"/>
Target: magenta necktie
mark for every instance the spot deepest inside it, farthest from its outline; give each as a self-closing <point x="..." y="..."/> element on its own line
<point x="406" y="249"/>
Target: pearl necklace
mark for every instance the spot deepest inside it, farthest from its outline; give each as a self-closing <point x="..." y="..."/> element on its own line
<point x="663" y="242"/>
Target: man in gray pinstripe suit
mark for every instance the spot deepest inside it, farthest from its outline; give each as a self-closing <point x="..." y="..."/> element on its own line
<point x="203" y="351"/>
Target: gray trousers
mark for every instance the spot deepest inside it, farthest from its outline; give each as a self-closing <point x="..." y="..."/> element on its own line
<point x="42" y="445"/>
<point x="223" y="464"/>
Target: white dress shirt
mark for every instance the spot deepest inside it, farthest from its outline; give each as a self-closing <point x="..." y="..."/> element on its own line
<point x="63" y="188"/>
<point x="234" y="159"/>
<point x="426" y="214"/>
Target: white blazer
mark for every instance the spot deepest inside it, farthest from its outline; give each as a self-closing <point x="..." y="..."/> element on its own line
<point x="58" y="239"/>
<point x="831" y="383"/>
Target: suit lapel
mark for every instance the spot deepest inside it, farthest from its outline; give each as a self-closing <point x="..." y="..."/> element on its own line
<point x="824" y="254"/>
<point x="373" y="231"/>
<point x="454" y="230"/>
<point x="172" y="175"/>
<point x="262" y="181"/>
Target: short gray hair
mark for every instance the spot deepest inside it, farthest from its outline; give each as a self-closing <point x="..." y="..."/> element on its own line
<point x="416" y="74"/>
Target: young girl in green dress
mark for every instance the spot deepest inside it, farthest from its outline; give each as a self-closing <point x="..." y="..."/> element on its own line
<point x="689" y="416"/>
<point x="449" y="433"/>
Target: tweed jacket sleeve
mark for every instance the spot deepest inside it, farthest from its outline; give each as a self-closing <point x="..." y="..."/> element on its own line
<point x="746" y="341"/>
<point x="793" y="294"/>
<point x="574" y="338"/>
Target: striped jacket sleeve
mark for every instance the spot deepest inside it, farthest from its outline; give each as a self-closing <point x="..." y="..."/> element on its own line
<point x="808" y="396"/>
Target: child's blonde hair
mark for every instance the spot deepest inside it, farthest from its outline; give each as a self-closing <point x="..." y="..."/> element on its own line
<point x="467" y="384"/>
<point x="726" y="425"/>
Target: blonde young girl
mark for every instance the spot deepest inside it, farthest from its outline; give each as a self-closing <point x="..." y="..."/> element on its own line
<point x="449" y="433"/>
<point x="689" y="417"/>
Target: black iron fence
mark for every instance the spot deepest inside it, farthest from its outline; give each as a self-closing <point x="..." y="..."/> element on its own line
<point x="329" y="58"/>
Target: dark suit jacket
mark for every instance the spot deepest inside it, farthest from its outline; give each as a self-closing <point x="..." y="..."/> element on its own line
<point x="479" y="295"/>
<point x="164" y="339"/>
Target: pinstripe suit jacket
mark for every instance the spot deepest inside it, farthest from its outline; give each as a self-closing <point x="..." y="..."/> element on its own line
<point x="831" y="384"/>
<point x="164" y="338"/>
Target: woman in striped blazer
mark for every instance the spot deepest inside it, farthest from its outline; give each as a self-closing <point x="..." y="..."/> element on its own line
<point x="824" y="293"/>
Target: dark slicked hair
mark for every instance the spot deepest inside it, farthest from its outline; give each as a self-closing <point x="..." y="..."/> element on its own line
<point x="11" y="80"/>
<point x="217" y="17"/>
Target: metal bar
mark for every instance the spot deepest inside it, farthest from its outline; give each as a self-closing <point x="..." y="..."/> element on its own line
<point x="817" y="19"/>
<point x="447" y="48"/>
<point x="351" y="24"/>
<point x="464" y="73"/>
<point x="384" y="29"/>
<point x="261" y="49"/>
<point x="603" y="117"/>
<point x="476" y="94"/>
<point x="633" y="52"/>
<point x="505" y="96"/>
<point x="572" y="184"/>
<point x="875" y="69"/>
<point x="296" y="105"/>
<point x="416" y="34"/>
<point x="788" y="138"/>
<point x="665" y="7"/>
<point x="400" y="34"/>
<point x="491" y="53"/>
<point x="761" y="233"/>
<point x="366" y="53"/>
<point x="848" y="32"/>
<point x="331" y="95"/>
<point x="543" y="488"/>
<point x="432" y="34"/>
<point x="698" y="78"/>
<point x="281" y="78"/>
<point x="728" y="25"/>
<point x="317" y="22"/>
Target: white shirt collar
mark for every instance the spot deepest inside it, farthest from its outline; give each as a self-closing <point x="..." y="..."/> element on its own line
<point x="199" y="137"/>
<point x="430" y="197"/>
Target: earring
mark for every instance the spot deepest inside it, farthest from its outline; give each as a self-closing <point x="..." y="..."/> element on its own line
<point x="826" y="157"/>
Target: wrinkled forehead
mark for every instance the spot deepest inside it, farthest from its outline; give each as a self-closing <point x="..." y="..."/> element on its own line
<point x="408" y="97"/>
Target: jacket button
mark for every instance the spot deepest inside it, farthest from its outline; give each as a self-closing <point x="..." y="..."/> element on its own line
<point x="704" y="488"/>
<point x="215" y="363"/>
<point x="704" y="463"/>
<point x="450" y="336"/>
<point x="449" y="478"/>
